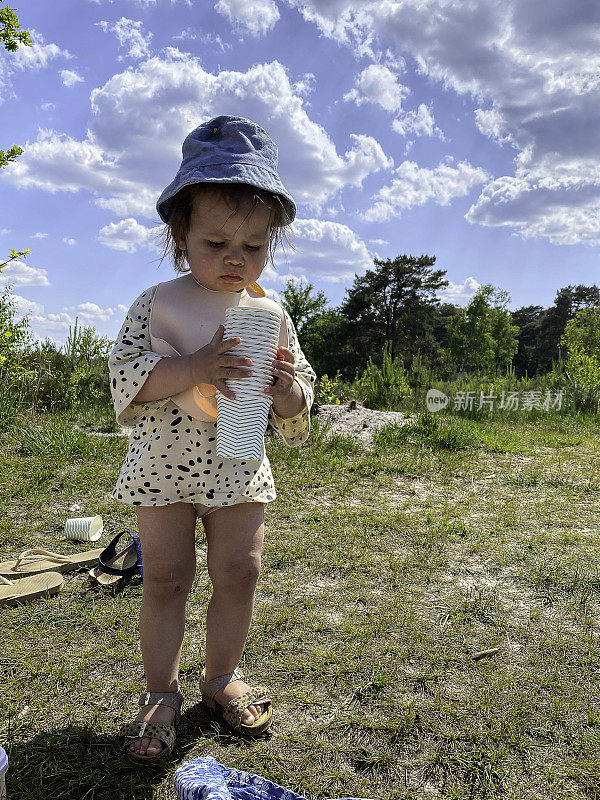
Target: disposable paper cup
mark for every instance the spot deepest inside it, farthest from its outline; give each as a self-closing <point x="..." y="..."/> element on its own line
<point x="241" y="423"/>
<point x="3" y="768"/>
<point x="84" y="529"/>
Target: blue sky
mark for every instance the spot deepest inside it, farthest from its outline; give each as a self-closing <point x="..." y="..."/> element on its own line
<point x="468" y="131"/>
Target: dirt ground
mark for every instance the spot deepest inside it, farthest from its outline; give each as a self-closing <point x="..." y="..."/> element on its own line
<point x="350" y="418"/>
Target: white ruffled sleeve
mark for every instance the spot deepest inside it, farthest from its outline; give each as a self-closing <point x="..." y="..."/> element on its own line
<point x="132" y="360"/>
<point x="295" y="430"/>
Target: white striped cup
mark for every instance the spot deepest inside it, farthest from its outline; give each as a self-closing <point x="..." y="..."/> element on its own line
<point x="84" y="529"/>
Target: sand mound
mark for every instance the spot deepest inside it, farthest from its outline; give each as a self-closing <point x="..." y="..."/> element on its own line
<point x="355" y="420"/>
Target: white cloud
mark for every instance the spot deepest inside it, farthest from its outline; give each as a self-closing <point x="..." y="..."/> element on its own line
<point x="255" y="16"/>
<point x="563" y="210"/>
<point x="128" y="235"/>
<point x="17" y="273"/>
<point x="38" y="55"/>
<point x="142" y="3"/>
<point x="325" y="250"/>
<point x="306" y="85"/>
<point x="24" y="307"/>
<point x="58" y="323"/>
<point x="39" y="235"/>
<point x="129" y="34"/>
<point x="162" y="100"/>
<point x="417" y="123"/>
<point x="491" y="124"/>
<point x="42" y="324"/>
<point x="535" y="62"/>
<point x="459" y="292"/>
<point x="212" y="39"/>
<point x="56" y="162"/>
<point x="188" y="34"/>
<point x="378" y="84"/>
<point x="35" y="57"/>
<point x="5" y="231"/>
<point x="90" y="313"/>
<point x="69" y="241"/>
<point x="414" y="186"/>
<point x="69" y="77"/>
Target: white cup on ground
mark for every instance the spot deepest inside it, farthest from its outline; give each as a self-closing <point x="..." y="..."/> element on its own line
<point x="3" y="768"/>
<point x="241" y="423"/>
<point x="84" y="529"/>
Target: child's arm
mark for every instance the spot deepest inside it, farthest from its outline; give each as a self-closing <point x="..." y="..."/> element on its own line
<point x="291" y="415"/>
<point x="210" y="364"/>
<point x="291" y="404"/>
<point x="138" y="375"/>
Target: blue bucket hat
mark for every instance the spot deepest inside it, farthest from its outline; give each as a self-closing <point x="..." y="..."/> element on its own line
<point x="227" y="150"/>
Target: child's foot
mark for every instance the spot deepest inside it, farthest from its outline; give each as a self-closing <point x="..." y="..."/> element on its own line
<point x="151" y="747"/>
<point x="237" y="689"/>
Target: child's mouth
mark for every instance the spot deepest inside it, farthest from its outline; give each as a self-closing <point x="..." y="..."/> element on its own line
<point x="232" y="278"/>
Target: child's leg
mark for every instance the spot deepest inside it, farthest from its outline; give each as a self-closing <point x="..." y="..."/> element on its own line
<point x="235" y="536"/>
<point x="169" y="556"/>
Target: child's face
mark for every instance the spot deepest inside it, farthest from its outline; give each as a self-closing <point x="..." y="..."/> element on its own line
<point x="221" y="245"/>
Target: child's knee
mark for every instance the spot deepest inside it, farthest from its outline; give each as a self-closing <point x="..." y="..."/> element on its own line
<point x="236" y="575"/>
<point x="168" y="580"/>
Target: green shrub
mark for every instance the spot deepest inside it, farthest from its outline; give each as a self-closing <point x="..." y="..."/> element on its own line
<point x="331" y="390"/>
<point x="383" y="388"/>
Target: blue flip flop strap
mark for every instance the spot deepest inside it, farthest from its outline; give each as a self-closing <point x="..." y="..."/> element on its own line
<point x="138" y="549"/>
<point x="110" y="552"/>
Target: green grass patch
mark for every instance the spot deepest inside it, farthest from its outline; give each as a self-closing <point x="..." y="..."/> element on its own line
<point x="386" y="569"/>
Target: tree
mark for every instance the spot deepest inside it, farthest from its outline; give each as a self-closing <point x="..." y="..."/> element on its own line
<point x="302" y="307"/>
<point x="15" y="336"/>
<point x="482" y="336"/>
<point x="567" y="303"/>
<point x="393" y="304"/>
<point x="528" y="319"/>
<point x="11" y="37"/>
<point x="582" y="340"/>
<point x="327" y="344"/>
<point x="10" y="34"/>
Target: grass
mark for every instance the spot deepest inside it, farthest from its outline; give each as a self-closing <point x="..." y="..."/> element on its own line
<point x="385" y="570"/>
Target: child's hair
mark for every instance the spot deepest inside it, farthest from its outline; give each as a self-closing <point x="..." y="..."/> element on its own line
<point x="234" y="194"/>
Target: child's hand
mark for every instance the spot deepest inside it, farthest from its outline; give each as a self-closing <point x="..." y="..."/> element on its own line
<point x="211" y="365"/>
<point x="283" y="372"/>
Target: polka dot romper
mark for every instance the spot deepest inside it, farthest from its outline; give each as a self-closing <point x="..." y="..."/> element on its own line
<point x="172" y="456"/>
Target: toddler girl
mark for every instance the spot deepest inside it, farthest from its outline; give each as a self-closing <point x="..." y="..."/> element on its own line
<point x="226" y="211"/>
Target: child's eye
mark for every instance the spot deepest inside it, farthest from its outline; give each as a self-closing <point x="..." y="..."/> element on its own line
<point x="216" y="244"/>
<point x="253" y="247"/>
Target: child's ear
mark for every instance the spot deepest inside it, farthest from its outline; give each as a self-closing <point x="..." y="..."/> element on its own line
<point x="181" y="245"/>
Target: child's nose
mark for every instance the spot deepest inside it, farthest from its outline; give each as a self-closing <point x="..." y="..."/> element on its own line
<point x="234" y="255"/>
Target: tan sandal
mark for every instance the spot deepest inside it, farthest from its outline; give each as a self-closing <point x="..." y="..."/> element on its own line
<point x="162" y="731"/>
<point x="232" y="713"/>
<point x="22" y="590"/>
<point x="37" y="560"/>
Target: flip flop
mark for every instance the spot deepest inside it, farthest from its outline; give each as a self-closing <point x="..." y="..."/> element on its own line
<point x="113" y="567"/>
<point x="31" y="562"/>
<point x="23" y="590"/>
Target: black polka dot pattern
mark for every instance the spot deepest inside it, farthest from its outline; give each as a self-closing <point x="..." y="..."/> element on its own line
<point x="172" y="456"/>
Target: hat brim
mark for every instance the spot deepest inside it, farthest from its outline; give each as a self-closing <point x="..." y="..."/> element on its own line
<point x="230" y="172"/>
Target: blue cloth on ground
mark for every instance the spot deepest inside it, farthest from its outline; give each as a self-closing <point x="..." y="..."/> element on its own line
<point x="205" y="779"/>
